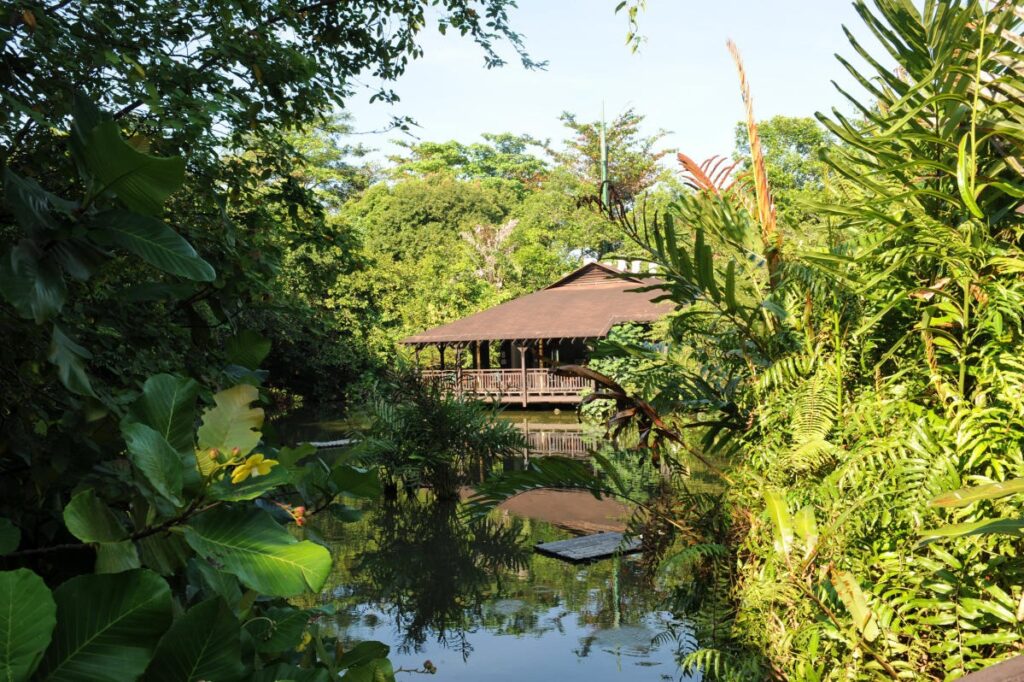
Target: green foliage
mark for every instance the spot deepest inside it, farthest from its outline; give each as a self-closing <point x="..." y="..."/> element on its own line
<point x="204" y="644"/>
<point x="107" y="626"/>
<point x="421" y="435"/>
<point x="800" y="179"/>
<point x="27" y="618"/>
<point x="259" y="552"/>
<point x="126" y="154"/>
<point x="633" y="157"/>
<point x="856" y="367"/>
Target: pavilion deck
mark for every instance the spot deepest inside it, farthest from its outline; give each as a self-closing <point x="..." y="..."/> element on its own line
<point x="531" y="386"/>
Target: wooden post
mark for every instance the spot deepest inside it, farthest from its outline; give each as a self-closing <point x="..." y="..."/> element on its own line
<point x="441" y="348"/>
<point x="458" y="370"/>
<point x="476" y="355"/>
<point x="485" y="354"/>
<point x="522" y="367"/>
<point x="416" y="354"/>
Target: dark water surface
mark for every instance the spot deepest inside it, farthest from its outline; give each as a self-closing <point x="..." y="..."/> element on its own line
<point x="476" y="601"/>
<point x="481" y="606"/>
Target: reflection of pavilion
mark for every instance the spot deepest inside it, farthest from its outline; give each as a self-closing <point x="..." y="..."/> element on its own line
<point x="568" y="440"/>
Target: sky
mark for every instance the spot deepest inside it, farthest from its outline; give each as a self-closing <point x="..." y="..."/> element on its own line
<point x="683" y="79"/>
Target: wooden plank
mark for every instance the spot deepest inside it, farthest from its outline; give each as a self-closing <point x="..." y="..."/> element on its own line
<point x="588" y="547"/>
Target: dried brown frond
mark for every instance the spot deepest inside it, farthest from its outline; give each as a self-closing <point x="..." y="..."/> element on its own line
<point x="771" y="237"/>
<point x="652" y="428"/>
<point x="714" y="174"/>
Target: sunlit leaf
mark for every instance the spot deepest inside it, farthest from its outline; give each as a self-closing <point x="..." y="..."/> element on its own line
<point x="856" y="603"/>
<point x="1012" y="527"/>
<point x="782" y="522"/>
<point x="232" y="423"/>
<point x="989" y="491"/>
<point x="251" y="545"/>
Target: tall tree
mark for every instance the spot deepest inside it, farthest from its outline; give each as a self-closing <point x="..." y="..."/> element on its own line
<point x="633" y="156"/>
<point x="504" y="156"/>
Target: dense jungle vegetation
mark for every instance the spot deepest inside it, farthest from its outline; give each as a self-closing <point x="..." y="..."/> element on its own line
<point x="191" y="239"/>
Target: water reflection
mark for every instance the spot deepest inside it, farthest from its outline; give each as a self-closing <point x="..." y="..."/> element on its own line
<point x="554" y="433"/>
<point x="425" y="565"/>
<point x="480" y="605"/>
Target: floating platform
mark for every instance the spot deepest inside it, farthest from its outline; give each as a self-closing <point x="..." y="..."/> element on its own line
<point x="588" y="547"/>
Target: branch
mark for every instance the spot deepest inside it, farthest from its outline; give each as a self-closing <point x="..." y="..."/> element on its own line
<point x="647" y="415"/>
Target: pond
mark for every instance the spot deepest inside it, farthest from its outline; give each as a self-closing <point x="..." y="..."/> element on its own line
<point x="481" y="606"/>
<point x="478" y="603"/>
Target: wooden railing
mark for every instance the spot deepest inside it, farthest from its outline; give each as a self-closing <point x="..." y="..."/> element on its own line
<point x="507" y="385"/>
<point x="566" y="443"/>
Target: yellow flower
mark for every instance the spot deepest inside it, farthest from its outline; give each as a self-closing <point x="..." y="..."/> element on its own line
<point x="255" y="466"/>
<point x="306" y="639"/>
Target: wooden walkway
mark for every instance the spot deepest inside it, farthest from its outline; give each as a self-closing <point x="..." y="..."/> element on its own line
<point x="589" y="547"/>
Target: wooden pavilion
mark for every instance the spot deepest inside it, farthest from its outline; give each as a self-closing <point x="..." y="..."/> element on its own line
<point x="513" y="346"/>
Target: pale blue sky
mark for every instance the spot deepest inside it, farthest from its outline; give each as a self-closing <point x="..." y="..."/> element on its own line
<point x="683" y="78"/>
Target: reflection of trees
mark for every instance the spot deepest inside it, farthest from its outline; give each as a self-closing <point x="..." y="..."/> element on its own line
<point x="417" y="562"/>
<point x="431" y="571"/>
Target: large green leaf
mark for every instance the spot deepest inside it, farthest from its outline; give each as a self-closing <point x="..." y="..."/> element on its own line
<point x="32" y="284"/>
<point x="168" y="405"/>
<point x="117" y="557"/>
<point x="32" y="205"/>
<point x="165" y="553"/>
<point x="280" y="629"/>
<point x="284" y="672"/>
<point x="251" y="545"/>
<point x="232" y="423"/>
<point x="363" y="653"/>
<point x="27" y="617"/>
<point x="204" y="644"/>
<point x="151" y="240"/>
<point x="141" y="181"/>
<point x="155" y="458"/>
<point x="90" y="520"/>
<point x="377" y="670"/>
<point x="1011" y="527"/>
<point x="806" y="526"/>
<point x="356" y="482"/>
<point x="782" y="522"/>
<point x="989" y="491"/>
<point x="247" y="349"/>
<point x="213" y="581"/>
<point x="70" y="359"/>
<point x="10" y="536"/>
<point x="108" y="627"/>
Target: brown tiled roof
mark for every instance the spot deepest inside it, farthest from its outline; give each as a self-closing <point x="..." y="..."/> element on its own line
<point x="586" y="303"/>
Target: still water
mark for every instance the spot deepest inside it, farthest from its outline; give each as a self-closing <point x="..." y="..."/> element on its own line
<point x="481" y="606"/>
<point x="476" y="602"/>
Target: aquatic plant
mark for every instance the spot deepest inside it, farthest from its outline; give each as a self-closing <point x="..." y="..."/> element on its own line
<point x="419" y="434"/>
